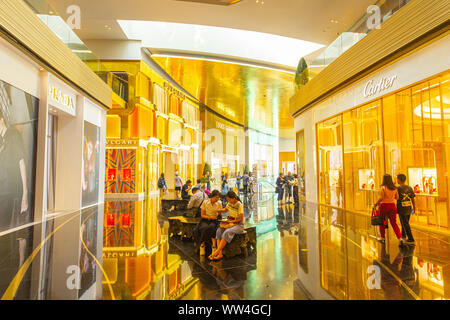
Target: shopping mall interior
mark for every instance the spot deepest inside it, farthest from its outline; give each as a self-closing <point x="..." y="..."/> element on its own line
<point x="224" y="150"/>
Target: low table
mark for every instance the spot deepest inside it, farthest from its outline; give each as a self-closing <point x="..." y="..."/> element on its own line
<point x="174" y="205"/>
<point x="183" y="227"/>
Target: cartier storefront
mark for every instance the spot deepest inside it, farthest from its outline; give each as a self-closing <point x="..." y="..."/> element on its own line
<point x="395" y="120"/>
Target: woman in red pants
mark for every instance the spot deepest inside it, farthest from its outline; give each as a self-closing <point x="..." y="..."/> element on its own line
<point x="388" y="206"/>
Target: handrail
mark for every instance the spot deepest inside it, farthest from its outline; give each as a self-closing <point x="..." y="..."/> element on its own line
<point x="349" y="38"/>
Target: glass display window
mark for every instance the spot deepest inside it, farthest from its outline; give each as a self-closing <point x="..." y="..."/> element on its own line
<point x="363" y="155"/>
<point x="423" y="180"/>
<point x="329" y="137"/>
<point x="417" y="144"/>
<point x="406" y="132"/>
<point x="366" y="179"/>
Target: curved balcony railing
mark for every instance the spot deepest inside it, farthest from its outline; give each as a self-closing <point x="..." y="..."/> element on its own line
<point x="347" y="39"/>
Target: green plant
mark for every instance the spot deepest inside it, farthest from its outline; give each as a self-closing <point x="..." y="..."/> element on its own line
<point x="206" y="169"/>
<point x="246" y="169"/>
<point x="302" y="73"/>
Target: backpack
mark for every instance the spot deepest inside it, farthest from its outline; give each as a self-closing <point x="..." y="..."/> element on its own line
<point x="160" y="183"/>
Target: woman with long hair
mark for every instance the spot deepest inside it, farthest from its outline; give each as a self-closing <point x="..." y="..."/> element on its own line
<point x="234" y="225"/>
<point x="388" y="206"/>
<point x="206" y="229"/>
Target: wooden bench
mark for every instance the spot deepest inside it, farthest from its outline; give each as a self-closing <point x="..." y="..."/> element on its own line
<point x="171" y="205"/>
<point x="241" y="243"/>
<point x="183" y="227"/>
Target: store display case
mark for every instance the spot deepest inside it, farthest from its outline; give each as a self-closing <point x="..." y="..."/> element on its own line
<point x="423" y="181"/>
<point x="334" y="177"/>
<point x="366" y="179"/>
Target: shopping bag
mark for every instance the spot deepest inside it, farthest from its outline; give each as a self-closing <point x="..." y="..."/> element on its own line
<point x="377" y="218"/>
<point x="166" y="192"/>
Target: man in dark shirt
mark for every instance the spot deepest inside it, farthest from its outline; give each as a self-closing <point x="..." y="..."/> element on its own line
<point x="280" y="186"/>
<point x="185" y="190"/>
<point x="245" y="180"/>
<point x="405" y="206"/>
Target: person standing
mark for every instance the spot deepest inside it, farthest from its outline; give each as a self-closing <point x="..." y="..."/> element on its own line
<point x="178" y="185"/>
<point x="238" y="182"/>
<point x="251" y="181"/>
<point x="224" y="190"/>
<point x="280" y="187"/>
<point x="288" y="187"/>
<point x="162" y="186"/>
<point x="388" y="209"/>
<point x="295" y="189"/>
<point x="208" y="181"/>
<point x="406" y="205"/>
<point x="245" y="180"/>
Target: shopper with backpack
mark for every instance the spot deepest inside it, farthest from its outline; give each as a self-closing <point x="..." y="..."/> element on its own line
<point x="406" y="205"/>
<point x="162" y="186"/>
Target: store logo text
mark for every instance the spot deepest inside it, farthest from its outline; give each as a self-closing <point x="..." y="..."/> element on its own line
<point x="371" y="88"/>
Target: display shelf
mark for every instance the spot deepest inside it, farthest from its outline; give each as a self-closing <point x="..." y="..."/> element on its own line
<point x="423" y="181"/>
<point x="334" y="175"/>
<point x="367" y="179"/>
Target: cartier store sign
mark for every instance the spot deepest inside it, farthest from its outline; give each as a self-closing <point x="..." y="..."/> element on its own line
<point x="373" y="87"/>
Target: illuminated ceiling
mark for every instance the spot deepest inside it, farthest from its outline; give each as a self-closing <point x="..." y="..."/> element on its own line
<point x="254" y="97"/>
<point x="317" y="21"/>
<point x="240" y="45"/>
<point x="249" y="95"/>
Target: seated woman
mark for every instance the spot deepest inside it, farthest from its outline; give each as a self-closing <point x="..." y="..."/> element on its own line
<point x="234" y="225"/>
<point x="206" y="229"/>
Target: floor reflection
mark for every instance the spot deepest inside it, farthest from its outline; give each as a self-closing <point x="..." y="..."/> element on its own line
<point x="303" y="252"/>
<point x="55" y="259"/>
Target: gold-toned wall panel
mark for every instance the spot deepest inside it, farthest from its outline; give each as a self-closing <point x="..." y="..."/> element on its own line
<point x="19" y="21"/>
<point x="250" y="96"/>
<point x="403" y="29"/>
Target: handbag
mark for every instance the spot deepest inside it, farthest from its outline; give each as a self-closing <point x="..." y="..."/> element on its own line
<point x="377" y="218"/>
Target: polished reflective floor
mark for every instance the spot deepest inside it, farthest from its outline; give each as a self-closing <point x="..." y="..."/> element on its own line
<point x="303" y="252"/>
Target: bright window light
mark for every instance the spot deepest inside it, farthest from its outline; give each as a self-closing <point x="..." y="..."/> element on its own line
<point x="236" y="43"/>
